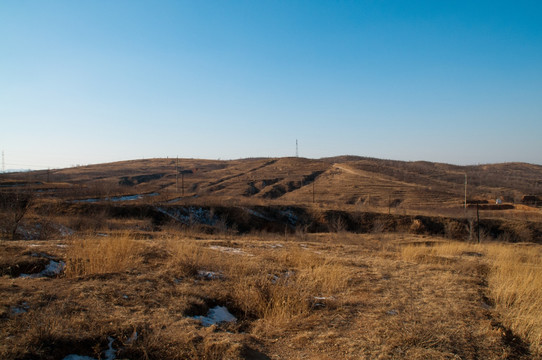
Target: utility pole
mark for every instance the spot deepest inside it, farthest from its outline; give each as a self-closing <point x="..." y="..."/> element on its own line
<point x="3" y="163"/>
<point x="296" y="149"/>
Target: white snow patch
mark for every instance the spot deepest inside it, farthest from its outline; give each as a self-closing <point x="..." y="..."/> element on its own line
<point x="210" y="275"/>
<point x="116" y="198"/>
<point x="52" y="269"/>
<point x="85" y="201"/>
<point x="64" y="230"/>
<point x="230" y="250"/>
<point x="109" y="353"/>
<point x="78" y="357"/>
<point x="41" y="255"/>
<point x="132" y="338"/>
<point x="190" y="215"/>
<point x="125" y="198"/>
<point x="216" y="315"/>
<point x="17" y="310"/>
<point x="258" y="214"/>
<point x="292" y="218"/>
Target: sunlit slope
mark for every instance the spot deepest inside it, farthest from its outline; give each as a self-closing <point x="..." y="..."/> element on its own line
<point x="340" y="180"/>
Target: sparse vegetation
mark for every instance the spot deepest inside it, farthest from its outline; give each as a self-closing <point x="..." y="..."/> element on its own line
<point x="130" y="263"/>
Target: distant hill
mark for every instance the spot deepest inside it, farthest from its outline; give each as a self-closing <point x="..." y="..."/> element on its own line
<point x="340" y="181"/>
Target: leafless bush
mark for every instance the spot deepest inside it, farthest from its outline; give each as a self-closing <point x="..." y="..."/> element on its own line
<point x="13" y="208"/>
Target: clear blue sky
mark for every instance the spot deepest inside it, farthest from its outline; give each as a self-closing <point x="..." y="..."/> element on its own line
<point x="94" y="81"/>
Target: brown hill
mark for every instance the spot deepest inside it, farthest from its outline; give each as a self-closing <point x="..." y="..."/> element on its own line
<point x="340" y="181"/>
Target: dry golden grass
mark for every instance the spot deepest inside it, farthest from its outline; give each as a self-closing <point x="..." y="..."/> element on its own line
<point x="101" y="255"/>
<point x="277" y="290"/>
<point x="341" y="296"/>
<point x="514" y="281"/>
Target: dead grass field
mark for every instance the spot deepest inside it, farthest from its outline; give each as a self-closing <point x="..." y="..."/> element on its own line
<point x="309" y="296"/>
<point x="338" y="258"/>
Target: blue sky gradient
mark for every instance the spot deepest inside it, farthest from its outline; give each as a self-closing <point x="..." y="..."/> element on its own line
<point x="95" y="81"/>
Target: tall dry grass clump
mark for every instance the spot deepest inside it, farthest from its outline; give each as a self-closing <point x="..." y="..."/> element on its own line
<point x="276" y="289"/>
<point x="515" y="282"/>
<point x="100" y="255"/>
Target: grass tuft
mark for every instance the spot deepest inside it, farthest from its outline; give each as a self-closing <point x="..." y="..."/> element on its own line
<point x="101" y="255"/>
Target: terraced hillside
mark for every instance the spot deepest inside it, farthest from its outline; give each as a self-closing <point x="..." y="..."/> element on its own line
<point x="339" y="181"/>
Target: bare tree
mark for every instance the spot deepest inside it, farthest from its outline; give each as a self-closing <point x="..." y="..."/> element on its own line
<point x="13" y="207"/>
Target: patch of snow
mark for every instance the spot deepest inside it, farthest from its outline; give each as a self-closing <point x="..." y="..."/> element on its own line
<point x="85" y="201"/>
<point x="132" y="338"/>
<point x="52" y="269"/>
<point x="392" y="312"/>
<point x="190" y="215"/>
<point x="125" y="198"/>
<point x="77" y="357"/>
<point x="62" y="246"/>
<point x="258" y="214"/>
<point x="274" y="246"/>
<point x="42" y="255"/>
<point x="116" y="198"/>
<point x="65" y="231"/>
<point x="324" y="298"/>
<point x="17" y="310"/>
<point x="230" y="250"/>
<point x="110" y="352"/>
<point x="102" y="234"/>
<point x="289" y="273"/>
<point x="285" y="275"/>
<point x="292" y="218"/>
<point x="210" y="275"/>
<point x="216" y="315"/>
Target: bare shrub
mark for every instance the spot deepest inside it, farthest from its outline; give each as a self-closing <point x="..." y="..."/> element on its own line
<point x="454" y="229"/>
<point x="338" y="224"/>
<point x="13" y="207"/>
